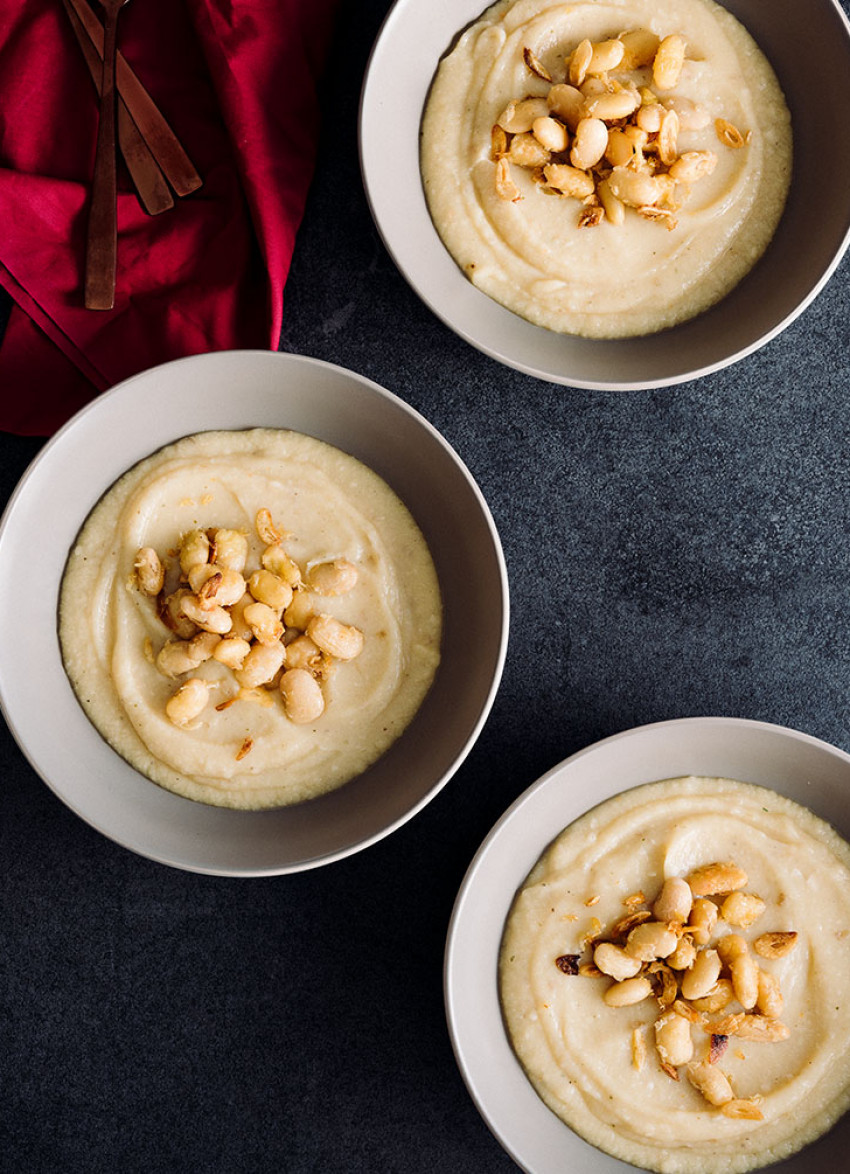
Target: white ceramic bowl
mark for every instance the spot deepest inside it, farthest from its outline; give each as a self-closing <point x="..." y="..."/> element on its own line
<point x="234" y="390"/>
<point x="793" y="764"/>
<point x="807" y="247"/>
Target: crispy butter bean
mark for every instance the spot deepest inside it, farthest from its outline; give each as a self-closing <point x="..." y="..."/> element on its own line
<point x="744" y="973"/>
<point x="268" y="588"/>
<point x="688" y="168"/>
<point x="610" y="107"/>
<point x="684" y="954"/>
<point x="231" y="549"/>
<point x="342" y="641"/>
<point x="719" y="997"/>
<point x="188" y="702"/>
<point x="210" y="619"/>
<point x="150" y="573"/>
<point x="275" y="559"/>
<point x="639" y="48"/>
<point x="701" y="978"/>
<point x="260" y="665"/>
<point x="605" y="55"/>
<point x="674" y="901"/>
<point x="231" y="651"/>
<point x="579" y="61"/>
<point x="194" y="549"/>
<point x="668" y="62"/>
<point x="769" y="999"/>
<point x="550" y="133"/>
<point x="302" y="653"/>
<point x="702" y="920"/>
<point x="634" y="187"/>
<point x="518" y="117"/>
<point x="673" y="1040"/>
<point x="526" y="151"/>
<point x="569" y="180"/>
<point x="264" y="623"/>
<point x="732" y="946"/>
<point x="175" y="658"/>
<point x="615" y="962"/>
<point x="711" y="1082"/>
<point x="300" y="611"/>
<point x="303" y="701"/>
<point x="742" y="909"/>
<point x="628" y="992"/>
<point x="651" y="940"/>
<point x="335" y="577"/>
<point x="615" y="210"/>
<point x="589" y="144"/>
<point x="173" y="616"/>
<point x="566" y="103"/>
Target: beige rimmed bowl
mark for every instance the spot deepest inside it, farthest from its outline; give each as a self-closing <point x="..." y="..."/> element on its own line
<point x="792" y="763"/>
<point x="235" y="390"/>
<point x="808" y="45"/>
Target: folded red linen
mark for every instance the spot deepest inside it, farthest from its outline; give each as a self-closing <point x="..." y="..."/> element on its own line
<point x="237" y="80"/>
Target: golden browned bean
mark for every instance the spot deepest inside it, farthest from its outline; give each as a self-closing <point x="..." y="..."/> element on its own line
<point x="700" y="979"/>
<point x="711" y="1082"/>
<point x="188" y="702"/>
<point x="303" y="700"/>
<point x="342" y="641"/>
<point x="264" y="623"/>
<point x="194" y="549"/>
<point x="629" y="992"/>
<point x="674" y="901"/>
<point x="673" y="1039"/>
<point x="615" y="962"/>
<point x="231" y="549"/>
<point x="260" y="665"/>
<point x="268" y="588"/>
<point x="668" y="62"/>
<point x="650" y="941"/>
<point x="150" y="573"/>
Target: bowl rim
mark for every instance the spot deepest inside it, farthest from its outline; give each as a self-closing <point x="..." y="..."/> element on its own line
<point x="13" y="709"/>
<point x="372" y="109"/>
<point x="468" y="1053"/>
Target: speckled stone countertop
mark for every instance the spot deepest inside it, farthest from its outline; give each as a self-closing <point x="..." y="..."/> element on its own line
<point x="670" y="553"/>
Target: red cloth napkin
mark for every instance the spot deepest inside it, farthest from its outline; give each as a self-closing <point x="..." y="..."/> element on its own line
<point x="237" y="80"/>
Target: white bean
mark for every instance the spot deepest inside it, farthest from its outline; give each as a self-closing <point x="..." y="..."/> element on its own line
<point x="590" y="143"/>
<point x="342" y="641"/>
<point x="150" y="573"/>
<point x="260" y="665"/>
<point x="303" y="700"/>
<point x="188" y="702"/>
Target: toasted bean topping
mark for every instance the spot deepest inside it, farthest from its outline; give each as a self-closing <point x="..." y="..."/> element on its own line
<point x="701" y="978"/>
<point x="742" y="909"/>
<point x="674" y="901"/>
<point x="302" y="696"/>
<point x="673" y="1039"/>
<point x="711" y="1082"/>
<point x="188" y="702"/>
<point x="150" y="573"/>
<point x="775" y="945"/>
<point x="614" y="961"/>
<point x="716" y="878"/>
<point x="624" y="994"/>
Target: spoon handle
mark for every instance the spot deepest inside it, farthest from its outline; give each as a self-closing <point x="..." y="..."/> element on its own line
<point x="102" y="227"/>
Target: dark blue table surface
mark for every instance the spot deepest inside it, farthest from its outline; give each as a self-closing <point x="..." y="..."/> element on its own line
<point x="674" y="552"/>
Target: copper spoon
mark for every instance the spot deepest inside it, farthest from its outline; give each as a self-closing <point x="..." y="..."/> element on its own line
<point x="102" y="230"/>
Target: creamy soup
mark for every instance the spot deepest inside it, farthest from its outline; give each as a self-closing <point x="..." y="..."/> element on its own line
<point x="675" y="976"/>
<point x="250" y="618"/>
<point x="556" y="202"/>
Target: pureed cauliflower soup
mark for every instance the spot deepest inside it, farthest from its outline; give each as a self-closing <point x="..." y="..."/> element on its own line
<point x="250" y="618"/>
<point x="606" y="168"/>
<point x="675" y="976"/>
